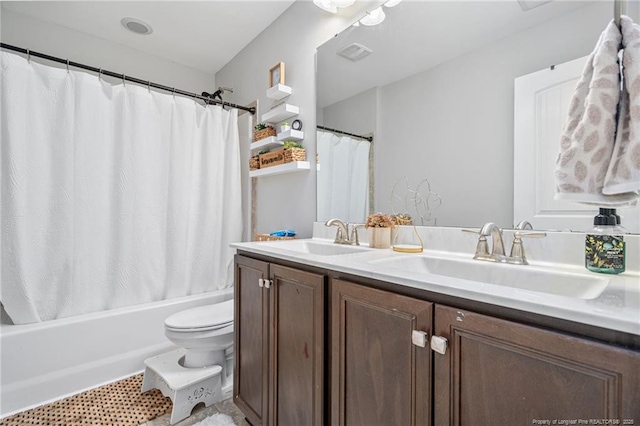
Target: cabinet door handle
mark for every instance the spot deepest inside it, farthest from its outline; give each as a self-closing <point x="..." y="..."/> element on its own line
<point x="267" y="283"/>
<point x="439" y="344"/>
<point x="261" y="282"/>
<point x="419" y="338"/>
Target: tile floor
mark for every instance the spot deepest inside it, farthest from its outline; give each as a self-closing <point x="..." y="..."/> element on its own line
<point x="225" y="407"/>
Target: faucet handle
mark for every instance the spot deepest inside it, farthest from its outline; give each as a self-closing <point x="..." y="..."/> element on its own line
<point x="517" y="255"/>
<point x="354" y="233"/>
<point x="471" y="231"/>
<point x="482" y="248"/>
<point x="519" y="234"/>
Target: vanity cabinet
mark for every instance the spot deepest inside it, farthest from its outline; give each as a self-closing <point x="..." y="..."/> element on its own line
<point x="279" y="341"/>
<point x="383" y="371"/>
<point x="378" y="376"/>
<point x="501" y="372"/>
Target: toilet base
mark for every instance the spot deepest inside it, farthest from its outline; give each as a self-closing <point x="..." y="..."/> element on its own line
<point x="186" y="387"/>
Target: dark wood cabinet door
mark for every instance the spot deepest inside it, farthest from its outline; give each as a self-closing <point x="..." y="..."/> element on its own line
<point x="296" y="347"/>
<point x="378" y="376"/>
<point x="497" y="372"/>
<point x="250" y="377"/>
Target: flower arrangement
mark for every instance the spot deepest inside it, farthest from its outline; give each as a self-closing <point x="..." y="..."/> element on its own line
<point x="403" y="219"/>
<point x="380" y="220"/>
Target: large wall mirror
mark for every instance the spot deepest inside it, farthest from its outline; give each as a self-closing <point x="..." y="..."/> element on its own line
<point x="433" y="84"/>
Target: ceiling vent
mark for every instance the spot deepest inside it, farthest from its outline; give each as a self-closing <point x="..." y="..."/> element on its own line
<point x="531" y="4"/>
<point x="354" y="51"/>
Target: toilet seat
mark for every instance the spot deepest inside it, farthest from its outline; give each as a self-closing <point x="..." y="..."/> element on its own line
<point x="203" y="318"/>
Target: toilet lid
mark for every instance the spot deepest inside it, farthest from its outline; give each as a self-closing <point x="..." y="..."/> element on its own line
<point x="210" y="316"/>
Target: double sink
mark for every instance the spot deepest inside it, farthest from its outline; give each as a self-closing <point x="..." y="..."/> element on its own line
<point x="533" y="278"/>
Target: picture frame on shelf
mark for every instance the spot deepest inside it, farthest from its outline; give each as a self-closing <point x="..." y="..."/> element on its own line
<point x="276" y="74"/>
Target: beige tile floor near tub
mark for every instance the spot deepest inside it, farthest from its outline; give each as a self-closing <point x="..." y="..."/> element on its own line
<point x="225" y="407"/>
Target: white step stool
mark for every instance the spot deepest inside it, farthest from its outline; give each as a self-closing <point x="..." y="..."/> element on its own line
<point x="186" y="387"/>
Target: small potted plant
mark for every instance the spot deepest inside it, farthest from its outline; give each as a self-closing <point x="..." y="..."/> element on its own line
<point x="379" y="228"/>
<point x="284" y="126"/>
<point x="262" y="130"/>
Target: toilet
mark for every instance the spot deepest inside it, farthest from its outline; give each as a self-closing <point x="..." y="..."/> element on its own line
<point x="201" y="371"/>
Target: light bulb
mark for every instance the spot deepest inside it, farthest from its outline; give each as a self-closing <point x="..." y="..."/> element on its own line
<point x="326" y="5"/>
<point x="343" y="3"/>
<point x="374" y="17"/>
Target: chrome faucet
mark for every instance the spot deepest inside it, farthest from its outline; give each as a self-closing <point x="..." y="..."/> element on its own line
<point x="517" y="255"/>
<point x="524" y="224"/>
<point x="497" y="244"/>
<point x="342" y="233"/>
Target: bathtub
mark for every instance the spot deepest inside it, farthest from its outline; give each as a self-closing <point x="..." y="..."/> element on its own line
<point x="47" y="361"/>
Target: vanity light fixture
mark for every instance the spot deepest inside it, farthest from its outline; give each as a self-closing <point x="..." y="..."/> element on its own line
<point x="332" y="6"/>
<point x="392" y="3"/>
<point x="136" y="26"/>
<point x="326" y="5"/>
<point x="343" y="3"/>
<point x="374" y="17"/>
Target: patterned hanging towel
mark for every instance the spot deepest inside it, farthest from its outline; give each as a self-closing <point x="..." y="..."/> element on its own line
<point x="623" y="175"/>
<point x="587" y="141"/>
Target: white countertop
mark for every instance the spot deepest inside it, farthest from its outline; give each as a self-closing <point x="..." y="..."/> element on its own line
<point x="617" y="307"/>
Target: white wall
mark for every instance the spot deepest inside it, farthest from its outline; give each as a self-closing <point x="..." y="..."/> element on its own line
<point x="455" y="126"/>
<point x="55" y="40"/>
<point x="287" y="201"/>
<point x="356" y="114"/>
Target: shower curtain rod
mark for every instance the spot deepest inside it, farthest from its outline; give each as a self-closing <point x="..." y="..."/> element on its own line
<point x="123" y="77"/>
<point x="619" y="9"/>
<point x="369" y="138"/>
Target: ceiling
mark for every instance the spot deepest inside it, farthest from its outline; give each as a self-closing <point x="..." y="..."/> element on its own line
<point x="204" y="35"/>
<point x="420" y="35"/>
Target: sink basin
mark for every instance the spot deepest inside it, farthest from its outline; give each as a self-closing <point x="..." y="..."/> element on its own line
<point x="533" y="278"/>
<point x="315" y="247"/>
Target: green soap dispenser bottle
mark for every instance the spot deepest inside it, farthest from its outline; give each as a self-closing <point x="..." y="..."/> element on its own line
<point x="604" y="244"/>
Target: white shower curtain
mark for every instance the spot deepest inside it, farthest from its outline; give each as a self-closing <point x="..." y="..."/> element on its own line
<point x="111" y="195"/>
<point x="343" y="178"/>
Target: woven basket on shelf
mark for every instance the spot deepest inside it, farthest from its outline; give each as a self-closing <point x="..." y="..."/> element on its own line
<point x="264" y="133"/>
<point x="267" y="237"/>
<point x="294" y="154"/>
<point x="254" y="163"/>
<point x="282" y="156"/>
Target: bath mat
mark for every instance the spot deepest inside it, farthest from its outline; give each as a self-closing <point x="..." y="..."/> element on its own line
<point x="216" y="420"/>
<point x="119" y="403"/>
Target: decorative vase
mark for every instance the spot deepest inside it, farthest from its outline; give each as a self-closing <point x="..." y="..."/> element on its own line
<point x="379" y="237"/>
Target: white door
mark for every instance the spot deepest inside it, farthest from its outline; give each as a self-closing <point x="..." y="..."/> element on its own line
<point x="541" y="104"/>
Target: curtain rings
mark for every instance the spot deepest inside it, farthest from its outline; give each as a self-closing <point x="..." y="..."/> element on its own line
<point x="149" y="85"/>
<point x="28" y="56"/>
<point x="124" y="78"/>
<point x="100" y="74"/>
<point x="67" y="66"/>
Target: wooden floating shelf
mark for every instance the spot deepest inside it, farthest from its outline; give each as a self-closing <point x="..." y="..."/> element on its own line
<point x="266" y="143"/>
<point x="280" y="113"/>
<point x="279" y="91"/>
<point x="295" y="166"/>
<point x="291" y="135"/>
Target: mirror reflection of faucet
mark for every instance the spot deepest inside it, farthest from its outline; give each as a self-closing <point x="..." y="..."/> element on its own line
<point x="517" y="255"/>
